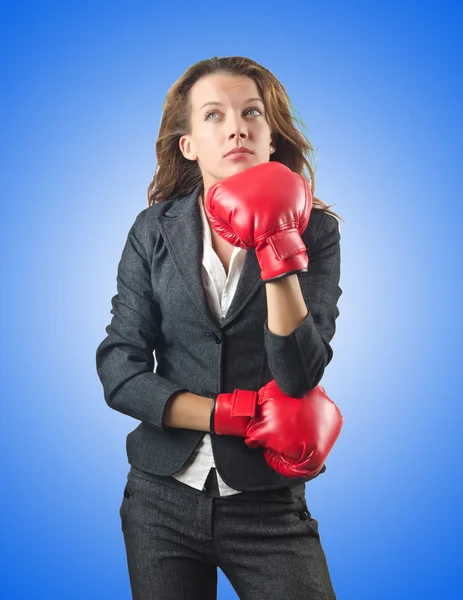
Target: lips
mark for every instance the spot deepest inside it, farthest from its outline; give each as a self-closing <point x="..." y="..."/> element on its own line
<point x="239" y="149"/>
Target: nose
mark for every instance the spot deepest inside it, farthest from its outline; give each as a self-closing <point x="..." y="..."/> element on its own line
<point x="241" y="134"/>
<point x="238" y="129"/>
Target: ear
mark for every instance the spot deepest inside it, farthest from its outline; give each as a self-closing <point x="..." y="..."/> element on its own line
<point x="186" y="148"/>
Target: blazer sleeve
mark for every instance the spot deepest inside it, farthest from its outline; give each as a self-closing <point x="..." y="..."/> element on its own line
<point x="297" y="361"/>
<point x="124" y="359"/>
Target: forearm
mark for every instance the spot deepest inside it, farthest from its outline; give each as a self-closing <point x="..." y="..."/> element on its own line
<point x="188" y="411"/>
<point x="286" y="307"/>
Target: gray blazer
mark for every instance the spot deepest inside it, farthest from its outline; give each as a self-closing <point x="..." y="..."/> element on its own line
<point x="161" y="307"/>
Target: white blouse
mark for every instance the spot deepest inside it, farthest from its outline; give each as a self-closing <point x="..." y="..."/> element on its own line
<point x="220" y="289"/>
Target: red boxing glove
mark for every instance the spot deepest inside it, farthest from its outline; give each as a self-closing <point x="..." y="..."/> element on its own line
<point x="297" y="433"/>
<point x="266" y="207"/>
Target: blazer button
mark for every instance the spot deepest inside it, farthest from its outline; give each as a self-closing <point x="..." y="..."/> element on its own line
<point x="217" y="338"/>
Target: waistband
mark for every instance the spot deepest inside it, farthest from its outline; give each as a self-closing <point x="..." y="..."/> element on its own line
<point x="211" y="487"/>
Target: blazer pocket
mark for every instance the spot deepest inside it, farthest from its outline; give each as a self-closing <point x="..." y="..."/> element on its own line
<point x="128" y="493"/>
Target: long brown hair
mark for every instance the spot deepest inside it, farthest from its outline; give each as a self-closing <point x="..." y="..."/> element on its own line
<point x="177" y="176"/>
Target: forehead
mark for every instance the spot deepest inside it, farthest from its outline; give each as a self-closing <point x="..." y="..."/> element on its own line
<point x="222" y="87"/>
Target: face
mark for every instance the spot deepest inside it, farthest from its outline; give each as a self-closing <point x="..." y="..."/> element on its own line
<point x="233" y="120"/>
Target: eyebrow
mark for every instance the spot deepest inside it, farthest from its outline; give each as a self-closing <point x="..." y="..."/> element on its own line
<point x="220" y="103"/>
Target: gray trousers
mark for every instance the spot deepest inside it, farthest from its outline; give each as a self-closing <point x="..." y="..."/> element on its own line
<point x="266" y="543"/>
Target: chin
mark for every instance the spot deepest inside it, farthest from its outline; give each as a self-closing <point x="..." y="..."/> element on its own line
<point x="241" y="166"/>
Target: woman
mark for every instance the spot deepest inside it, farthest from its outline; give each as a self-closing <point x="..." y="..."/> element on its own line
<point x="202" y="493"/>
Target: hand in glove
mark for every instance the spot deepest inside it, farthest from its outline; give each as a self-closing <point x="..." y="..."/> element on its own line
<point x="266" y="207"/>
<point x="297" y="433"/>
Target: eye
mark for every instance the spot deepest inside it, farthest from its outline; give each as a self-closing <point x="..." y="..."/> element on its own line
<point x="214" y="112"/>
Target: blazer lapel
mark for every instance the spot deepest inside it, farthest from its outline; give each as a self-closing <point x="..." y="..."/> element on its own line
<point x="181" y="228"/>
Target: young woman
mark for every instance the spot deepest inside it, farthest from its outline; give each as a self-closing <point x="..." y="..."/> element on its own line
<point x="240" y="322"/>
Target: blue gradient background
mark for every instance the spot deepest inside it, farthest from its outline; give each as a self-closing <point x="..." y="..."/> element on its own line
<point x="379" y="89"/>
